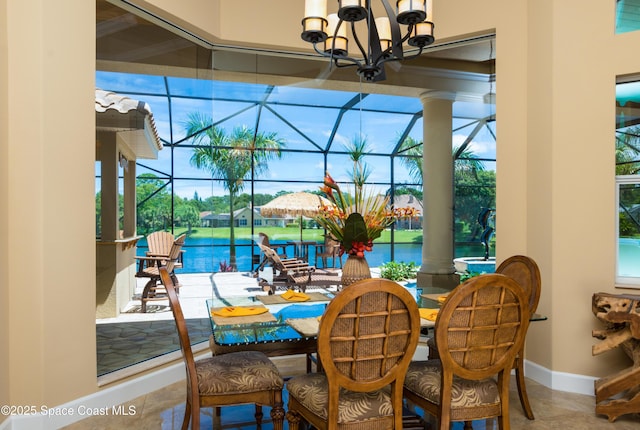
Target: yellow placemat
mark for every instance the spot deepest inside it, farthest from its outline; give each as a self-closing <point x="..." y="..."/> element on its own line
<point x="305" y="326"/>
<point x="276" y="299"/>
<point x="294" y="296"/>
<point x="440" y="298"/>
<point x="241" y="315"/>
<point x="428" y="314"/>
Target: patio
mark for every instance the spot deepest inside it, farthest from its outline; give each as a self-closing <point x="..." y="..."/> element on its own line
<point x="134" y="337"/>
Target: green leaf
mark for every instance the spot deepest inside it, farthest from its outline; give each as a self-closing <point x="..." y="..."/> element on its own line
<point x="355" y="230"/>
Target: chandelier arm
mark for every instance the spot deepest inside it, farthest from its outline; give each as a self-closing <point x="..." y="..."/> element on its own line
<point x="384" y="58"/>
<point x="334" y="60"/>
<point x="396" y="49"/>
<point x="417" y="54"/>
<point x="360" y="47"/>
<point x="409" y="57"/>
<point x="353" y="62"/>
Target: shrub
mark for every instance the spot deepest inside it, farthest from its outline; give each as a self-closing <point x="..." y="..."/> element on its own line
<point x="398" y="271"/>
<point x="468" y="275"/>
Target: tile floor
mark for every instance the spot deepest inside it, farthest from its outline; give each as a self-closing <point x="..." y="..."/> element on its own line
<point x="164" y="409"/>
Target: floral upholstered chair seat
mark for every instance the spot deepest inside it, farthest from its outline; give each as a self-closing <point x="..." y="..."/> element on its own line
<point x="423" y="379"/>
<point x="312" y="389"/>
<point x="238" y="372"/>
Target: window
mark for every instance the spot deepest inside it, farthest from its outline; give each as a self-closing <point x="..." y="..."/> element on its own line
<point x="628" y="250"/>
<point x="627" y="15"/>
<point x="627" y="151"/>
<point x="190" y="89"/>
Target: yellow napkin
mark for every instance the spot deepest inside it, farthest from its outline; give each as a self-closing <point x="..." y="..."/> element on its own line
<point x="442" y="299"/>
<point x="293" y="296"/>
<point x="428" y="314"/>
<point x="239" y="311"/>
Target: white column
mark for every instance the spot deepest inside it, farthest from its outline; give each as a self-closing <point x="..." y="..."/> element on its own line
<point x="438" y="239"/>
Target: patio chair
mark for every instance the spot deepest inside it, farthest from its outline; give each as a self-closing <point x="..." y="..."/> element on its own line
<point x="149" y="267"/>
<point x="329" y="249"/>
<point x="479" y="331"/>
<point x="159" y="243"/>
<point x="280" y="248"/>
<point x="294" y="273"/>
<point x="234" y="378"/>
<point x="367" y="337"/>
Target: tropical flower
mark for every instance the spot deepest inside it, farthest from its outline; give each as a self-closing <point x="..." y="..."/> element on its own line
<point x="354" y="220"/>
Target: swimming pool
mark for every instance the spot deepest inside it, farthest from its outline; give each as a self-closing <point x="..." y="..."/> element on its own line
<point x="628" y="258"/>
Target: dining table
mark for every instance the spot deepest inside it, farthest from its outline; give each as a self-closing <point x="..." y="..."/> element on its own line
<point x="436" y="296"/>
<point x="272" y="332"/>
<point x="285" y="328"/>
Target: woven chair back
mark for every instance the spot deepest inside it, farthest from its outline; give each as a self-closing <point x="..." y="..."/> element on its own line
<point x="481" y="326"/>
<point x="368" y="335"/>
<point x="524" y="270"/>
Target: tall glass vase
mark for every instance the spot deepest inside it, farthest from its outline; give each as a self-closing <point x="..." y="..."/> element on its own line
<point x="354" y="269"/>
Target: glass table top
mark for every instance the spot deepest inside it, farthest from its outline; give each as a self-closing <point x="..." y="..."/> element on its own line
<point x="277" y="330"/>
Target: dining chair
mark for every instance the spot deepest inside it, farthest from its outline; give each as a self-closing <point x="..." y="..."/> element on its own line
<point x="479" y="330"/>
<point x="524" y="270"/>
<point x="234" y="378"/>
<point x="367" y="337"/>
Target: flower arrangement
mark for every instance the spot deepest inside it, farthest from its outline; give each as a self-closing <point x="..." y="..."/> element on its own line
<point x="355" y="221"/>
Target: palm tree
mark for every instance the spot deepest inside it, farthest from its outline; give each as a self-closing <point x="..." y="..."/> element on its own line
<point x="233" y="157"/>
<point x="628" y="152"/>
<point x="465" y="161"/>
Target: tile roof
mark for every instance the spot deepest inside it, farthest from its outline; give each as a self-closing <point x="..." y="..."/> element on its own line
<point x="118" y="113"/>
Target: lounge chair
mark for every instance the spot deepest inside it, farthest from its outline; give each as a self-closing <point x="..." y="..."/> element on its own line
<point x="279" y="248"/>
<point x="293" y="273"/>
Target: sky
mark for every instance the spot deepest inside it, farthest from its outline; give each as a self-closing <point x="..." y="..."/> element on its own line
<point x="303" y="118"/>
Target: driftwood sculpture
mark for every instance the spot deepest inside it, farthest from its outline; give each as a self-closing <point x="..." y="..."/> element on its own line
<point x="618" y="394"/>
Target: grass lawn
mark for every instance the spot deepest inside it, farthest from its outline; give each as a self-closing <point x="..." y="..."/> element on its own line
<point x="282" y="234"/>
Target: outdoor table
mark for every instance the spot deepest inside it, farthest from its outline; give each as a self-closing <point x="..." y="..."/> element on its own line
<point x="301" y="248"/>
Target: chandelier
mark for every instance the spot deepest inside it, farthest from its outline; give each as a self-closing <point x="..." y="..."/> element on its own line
<point x="384" y="41"/>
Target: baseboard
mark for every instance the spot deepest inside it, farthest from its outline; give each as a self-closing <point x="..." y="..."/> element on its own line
<point x="104" y="402"/>
<point x="560" y="381"/>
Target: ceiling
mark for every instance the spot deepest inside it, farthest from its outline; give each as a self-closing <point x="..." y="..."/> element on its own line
<point x="125" y="39"/>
